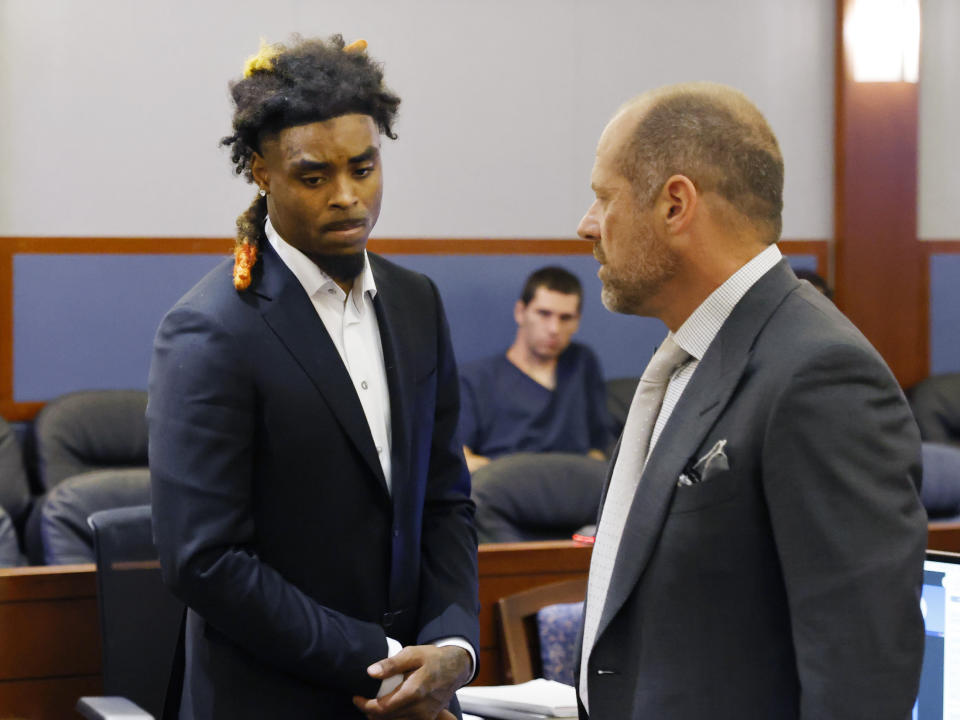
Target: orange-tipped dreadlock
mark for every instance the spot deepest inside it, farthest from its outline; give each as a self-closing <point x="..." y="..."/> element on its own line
<point x="249" y="229"/>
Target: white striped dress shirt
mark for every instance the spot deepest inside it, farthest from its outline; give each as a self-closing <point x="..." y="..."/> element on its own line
<point x="699" y="330"/>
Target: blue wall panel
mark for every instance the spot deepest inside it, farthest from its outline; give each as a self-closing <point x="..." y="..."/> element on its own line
<point x="479" y="292"/>
<point x="88" y="321"/>
<point x="944" y="314"/>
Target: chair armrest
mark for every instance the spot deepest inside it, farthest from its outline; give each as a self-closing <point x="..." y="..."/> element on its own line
<point x="111" y="708"/>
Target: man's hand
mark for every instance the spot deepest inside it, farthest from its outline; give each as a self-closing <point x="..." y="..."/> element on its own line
<point x="431" y="676"/>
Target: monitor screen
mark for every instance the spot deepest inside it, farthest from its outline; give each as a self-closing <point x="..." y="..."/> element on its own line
<point x="939" y="696"/>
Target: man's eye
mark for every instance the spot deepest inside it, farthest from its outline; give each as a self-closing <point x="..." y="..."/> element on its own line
<point x="313" y="180"/>
<point x="363" y="171"/>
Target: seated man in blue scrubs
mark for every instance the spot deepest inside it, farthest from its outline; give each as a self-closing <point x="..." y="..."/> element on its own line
<point x="546" y="393"/>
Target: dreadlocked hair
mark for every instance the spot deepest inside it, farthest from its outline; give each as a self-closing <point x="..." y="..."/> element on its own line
<point x="249" y="234"/>
<point x="309" y="80"/>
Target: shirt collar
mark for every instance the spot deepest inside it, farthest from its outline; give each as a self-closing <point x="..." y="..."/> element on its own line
<point x="311" y="277"/>
<point x="699" y="330"/>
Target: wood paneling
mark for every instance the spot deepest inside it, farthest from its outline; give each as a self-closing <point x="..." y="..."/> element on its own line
<point x="46" y="699"/>
<point x="944" y="536"/>
<point x="881" y="271"/>
<point x="49" y="641"/>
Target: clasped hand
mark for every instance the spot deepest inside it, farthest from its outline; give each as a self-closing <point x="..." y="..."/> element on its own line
<point x="430" y="677"/>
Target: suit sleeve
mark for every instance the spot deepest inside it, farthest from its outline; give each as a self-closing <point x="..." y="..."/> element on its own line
<point x="201" y="414"/>
<point x="841" y="469"/>
<point x="449" y="587"/>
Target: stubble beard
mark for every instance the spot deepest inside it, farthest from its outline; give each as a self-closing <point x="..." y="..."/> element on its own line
<point x="629" y="289"/>
<point x="342" y="267"/>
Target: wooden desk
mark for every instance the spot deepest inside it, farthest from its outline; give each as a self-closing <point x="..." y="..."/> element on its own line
<point x="50" y="634"/>
<point x="50" y="630"/>
<point x="49" y="641"/>
<point x="944" y="536"/>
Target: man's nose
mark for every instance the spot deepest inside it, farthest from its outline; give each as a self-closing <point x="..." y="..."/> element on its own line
<point x="344" y="193"/>
<point x="589" y="228"/>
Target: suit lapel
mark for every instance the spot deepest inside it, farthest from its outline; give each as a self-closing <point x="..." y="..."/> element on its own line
<point x="291" y="315"/>
<point x="707" y="394"/>
<point x="390" y="320"/>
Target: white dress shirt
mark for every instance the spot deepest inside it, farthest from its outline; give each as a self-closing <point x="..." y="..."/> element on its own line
<point x="351" y="322"/>
<point x="699" y="330"/>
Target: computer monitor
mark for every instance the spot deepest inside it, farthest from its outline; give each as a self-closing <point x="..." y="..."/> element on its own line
<point x="939" y="696"/>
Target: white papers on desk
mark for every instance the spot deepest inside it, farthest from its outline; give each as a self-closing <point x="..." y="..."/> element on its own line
<point x="535" y="699"/>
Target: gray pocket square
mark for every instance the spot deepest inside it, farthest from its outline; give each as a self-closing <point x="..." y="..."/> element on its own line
<point x="714" y="461"/>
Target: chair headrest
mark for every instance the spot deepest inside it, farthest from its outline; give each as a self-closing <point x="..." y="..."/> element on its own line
<point x="91" y="430"/>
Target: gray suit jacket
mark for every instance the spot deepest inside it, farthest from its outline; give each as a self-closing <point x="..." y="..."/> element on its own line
<point x="787" y="585"/>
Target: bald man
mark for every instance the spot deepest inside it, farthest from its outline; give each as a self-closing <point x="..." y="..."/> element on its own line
<point x="760" y="544"/>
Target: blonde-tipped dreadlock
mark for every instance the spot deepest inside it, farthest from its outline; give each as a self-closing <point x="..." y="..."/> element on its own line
<point x="294" y="84"/>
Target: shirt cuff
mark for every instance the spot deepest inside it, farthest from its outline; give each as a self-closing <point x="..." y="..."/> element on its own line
<point x="388" y="685"/>
<point x="462" y="643"/>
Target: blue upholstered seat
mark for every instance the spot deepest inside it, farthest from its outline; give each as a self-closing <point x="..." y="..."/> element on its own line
<point x="558" y="627"/>
<point x="940" y="490"/>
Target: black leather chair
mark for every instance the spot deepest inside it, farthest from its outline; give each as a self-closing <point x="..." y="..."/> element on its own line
<point x="67" y="537"/>
<point x="940" y="490"/>
<point x="80" y="432"/>
<point x="14" y="488"/>
<point x="936" y="406"/>
<point x="9" y="545"/>
<point x="90" y="430"/>
<point x="537" y="496"/>
<point x="140" y="621"/>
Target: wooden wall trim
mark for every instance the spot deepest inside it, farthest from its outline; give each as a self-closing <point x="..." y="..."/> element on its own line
<point x="12" y="410"/>
<point x="940" y="247"/>
<point x="10" y="246"/>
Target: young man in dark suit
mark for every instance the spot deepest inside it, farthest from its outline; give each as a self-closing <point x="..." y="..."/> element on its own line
<point x="311" y="503"/>
<point x="760" y="546"/>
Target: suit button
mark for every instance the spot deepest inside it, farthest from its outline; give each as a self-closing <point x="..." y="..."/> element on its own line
<point x="396" y="533"/>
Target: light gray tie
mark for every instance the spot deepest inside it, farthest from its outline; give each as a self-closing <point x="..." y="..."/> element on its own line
<point x="623" y="485"/>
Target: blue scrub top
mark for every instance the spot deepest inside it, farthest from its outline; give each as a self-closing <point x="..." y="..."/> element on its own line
<point x="505" y="411"/>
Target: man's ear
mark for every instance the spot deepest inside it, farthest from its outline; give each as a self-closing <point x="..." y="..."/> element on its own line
<point x="518" y="309"/>
<point x="258" y="168"/>
<point x="677" y="203"/>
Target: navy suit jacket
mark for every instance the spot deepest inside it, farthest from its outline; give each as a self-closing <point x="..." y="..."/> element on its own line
<point x="786" y="585"/>
<point x="271" y="514"/>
